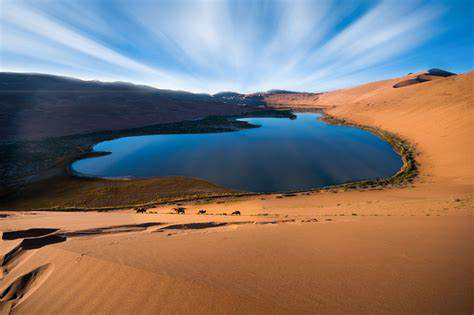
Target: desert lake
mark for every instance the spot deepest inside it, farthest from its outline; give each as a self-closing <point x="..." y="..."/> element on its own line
<point x="281" y="155"/>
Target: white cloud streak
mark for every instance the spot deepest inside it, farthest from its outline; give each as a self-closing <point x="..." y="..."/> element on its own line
<point x="216" y="45"/>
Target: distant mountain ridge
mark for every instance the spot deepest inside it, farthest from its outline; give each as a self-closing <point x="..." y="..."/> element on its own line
<point x="37" y="106"/>
<point x="27" y="82"/>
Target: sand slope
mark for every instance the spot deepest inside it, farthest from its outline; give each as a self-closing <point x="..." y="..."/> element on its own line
<point x="249" y="265"/>
<point x="437" y="116"/>
<point x="404" y="250"/>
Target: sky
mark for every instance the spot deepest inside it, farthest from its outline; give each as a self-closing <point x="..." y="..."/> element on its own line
<point x="243" y="46"/>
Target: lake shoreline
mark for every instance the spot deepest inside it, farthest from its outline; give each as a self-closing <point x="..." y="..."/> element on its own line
<point x="66" y="150"/>
<point x="42" y="155"/>
<point x="402" y="178"/>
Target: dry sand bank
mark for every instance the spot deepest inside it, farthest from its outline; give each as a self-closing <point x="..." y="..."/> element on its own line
<point x="404" y="250"/>
<point x="414" y="264"/>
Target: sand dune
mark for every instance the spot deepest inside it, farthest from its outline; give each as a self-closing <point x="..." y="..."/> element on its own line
<point x="400" y="250"/>
<point x="432" y="74"/>
<point x="23" y="286"/>
<point x="436" y="116"/>
<point x="332" y="266"/>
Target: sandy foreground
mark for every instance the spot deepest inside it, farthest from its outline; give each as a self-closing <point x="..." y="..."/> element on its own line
<point x="404" y="250"/>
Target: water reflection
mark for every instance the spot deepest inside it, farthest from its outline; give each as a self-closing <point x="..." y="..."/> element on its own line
<point x="281" y="155"/>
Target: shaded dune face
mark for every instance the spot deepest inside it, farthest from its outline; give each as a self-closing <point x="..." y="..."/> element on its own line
<point x="22" y="287"/>
<point x="35" y="232"/>
<point x="38" y="242"/>
<point x="432" y="74"/>
<point x="37" y="238"/>
<point x="24" y="250"/>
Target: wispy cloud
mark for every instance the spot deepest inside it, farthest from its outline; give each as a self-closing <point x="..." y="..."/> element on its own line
<point x="384" y="32"/>
<point x="45" y="38"/>
<point x="214" y="45"/>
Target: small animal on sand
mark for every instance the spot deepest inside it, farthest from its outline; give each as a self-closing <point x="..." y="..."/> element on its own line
<point x="140" y="210"/>
<point x="201" y="212"/>
<point x="179" y="210"/>
<point x="236" y="212"/>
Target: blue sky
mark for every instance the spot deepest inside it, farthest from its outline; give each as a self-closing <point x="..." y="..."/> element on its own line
<point x="244" y="46"/>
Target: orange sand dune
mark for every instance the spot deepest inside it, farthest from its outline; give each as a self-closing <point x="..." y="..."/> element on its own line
<point x="437" y="116"/>
<point x="250" y="265"/>
<point x="403" y="250"/>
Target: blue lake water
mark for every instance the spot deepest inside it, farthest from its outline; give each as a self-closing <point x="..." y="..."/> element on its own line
<point x="281" y="155"/>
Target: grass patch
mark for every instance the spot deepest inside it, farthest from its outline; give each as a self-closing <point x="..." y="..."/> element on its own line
<point x="68" y="193"/>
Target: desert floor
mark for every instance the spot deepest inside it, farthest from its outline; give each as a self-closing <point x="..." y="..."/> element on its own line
<point x="403" y="250"/>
